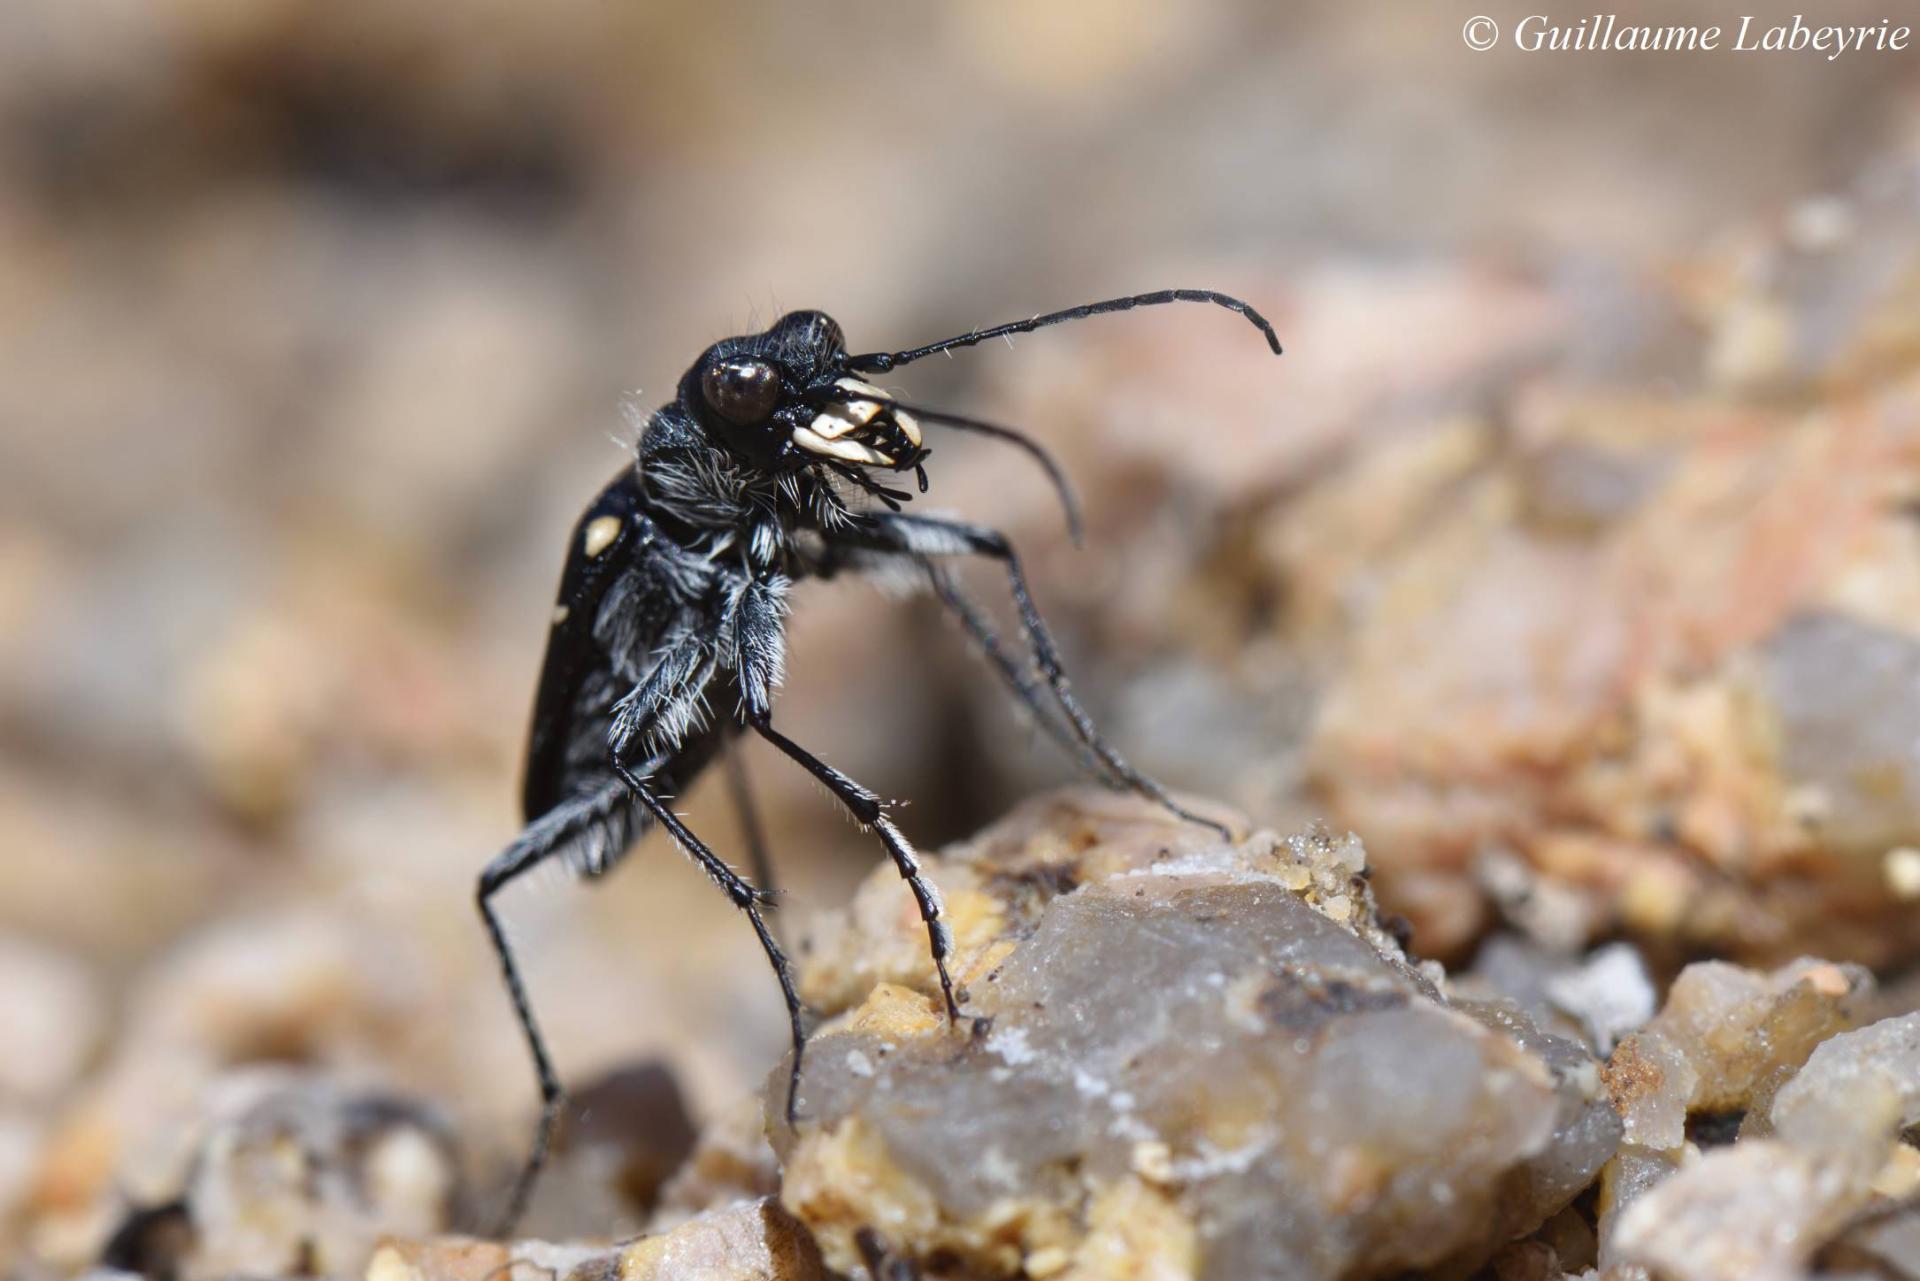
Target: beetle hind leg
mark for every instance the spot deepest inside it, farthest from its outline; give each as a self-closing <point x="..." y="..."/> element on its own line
<point x="552" y="835"/>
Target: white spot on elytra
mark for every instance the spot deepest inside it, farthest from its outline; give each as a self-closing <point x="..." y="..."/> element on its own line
<point x="600" y="533"/>
<point x="560" y="613"/>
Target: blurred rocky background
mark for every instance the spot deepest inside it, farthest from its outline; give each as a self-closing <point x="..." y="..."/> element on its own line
<point x="1570" y="556"/>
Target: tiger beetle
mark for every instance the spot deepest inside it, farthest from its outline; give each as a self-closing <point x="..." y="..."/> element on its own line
<point x="764" y="469"/>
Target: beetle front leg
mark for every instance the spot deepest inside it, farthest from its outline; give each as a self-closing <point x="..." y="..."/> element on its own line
<point x="865" y="806"/>
<point x="757" y="653"/>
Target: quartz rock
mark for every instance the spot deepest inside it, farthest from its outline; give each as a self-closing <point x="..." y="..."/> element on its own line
<point x="1632" y="1173"/>
<point x="1883" y="1245"/>
<point x="1710" y="1061"/>
<point x="1847" y="696"/>
<point x="286" y="987"/>
<point x="20" y="1141"/>
<point x="730" y="1163"/>
<point x="1512" y="968"/>
<point x="1610" y="993"/>
<point x="620" y="1138"/>
<point x="1586" y="1129"/>
<point x="1760" y="1209"/>
<point x="1202" y="1057"/>
<point x="1659" y="648"/>
<point x="1598" y="998"/>
<point x="1652" y="1081"/>
<point x="1856" y="1092"/>
<point x="1751" y="1212"/>
<point x="1726" y="1039"/>
<point x="753" y="1241"/>
<point x="51" y="1018"/>
<point x="292" y="1174"/>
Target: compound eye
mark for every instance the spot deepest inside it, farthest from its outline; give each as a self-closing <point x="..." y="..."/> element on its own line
<point x="743" y="392"/>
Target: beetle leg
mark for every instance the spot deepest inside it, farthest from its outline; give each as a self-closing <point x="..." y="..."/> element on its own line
<point x="925" y="537"/>
<point x="542" y="840"/>
<point x="865" y="807"/>
<point x="747" y="899"/>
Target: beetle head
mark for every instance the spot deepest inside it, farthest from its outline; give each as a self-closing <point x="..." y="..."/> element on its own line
<point x="783" y="399"/>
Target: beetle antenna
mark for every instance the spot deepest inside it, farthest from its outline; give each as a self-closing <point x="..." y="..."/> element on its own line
<point x="880" y="362"/>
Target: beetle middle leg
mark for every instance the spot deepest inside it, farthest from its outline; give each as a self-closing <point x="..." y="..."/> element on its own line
<point x="664" y="707"/>
<point x="752" y="831"/>
<point x="745" y="897"/>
